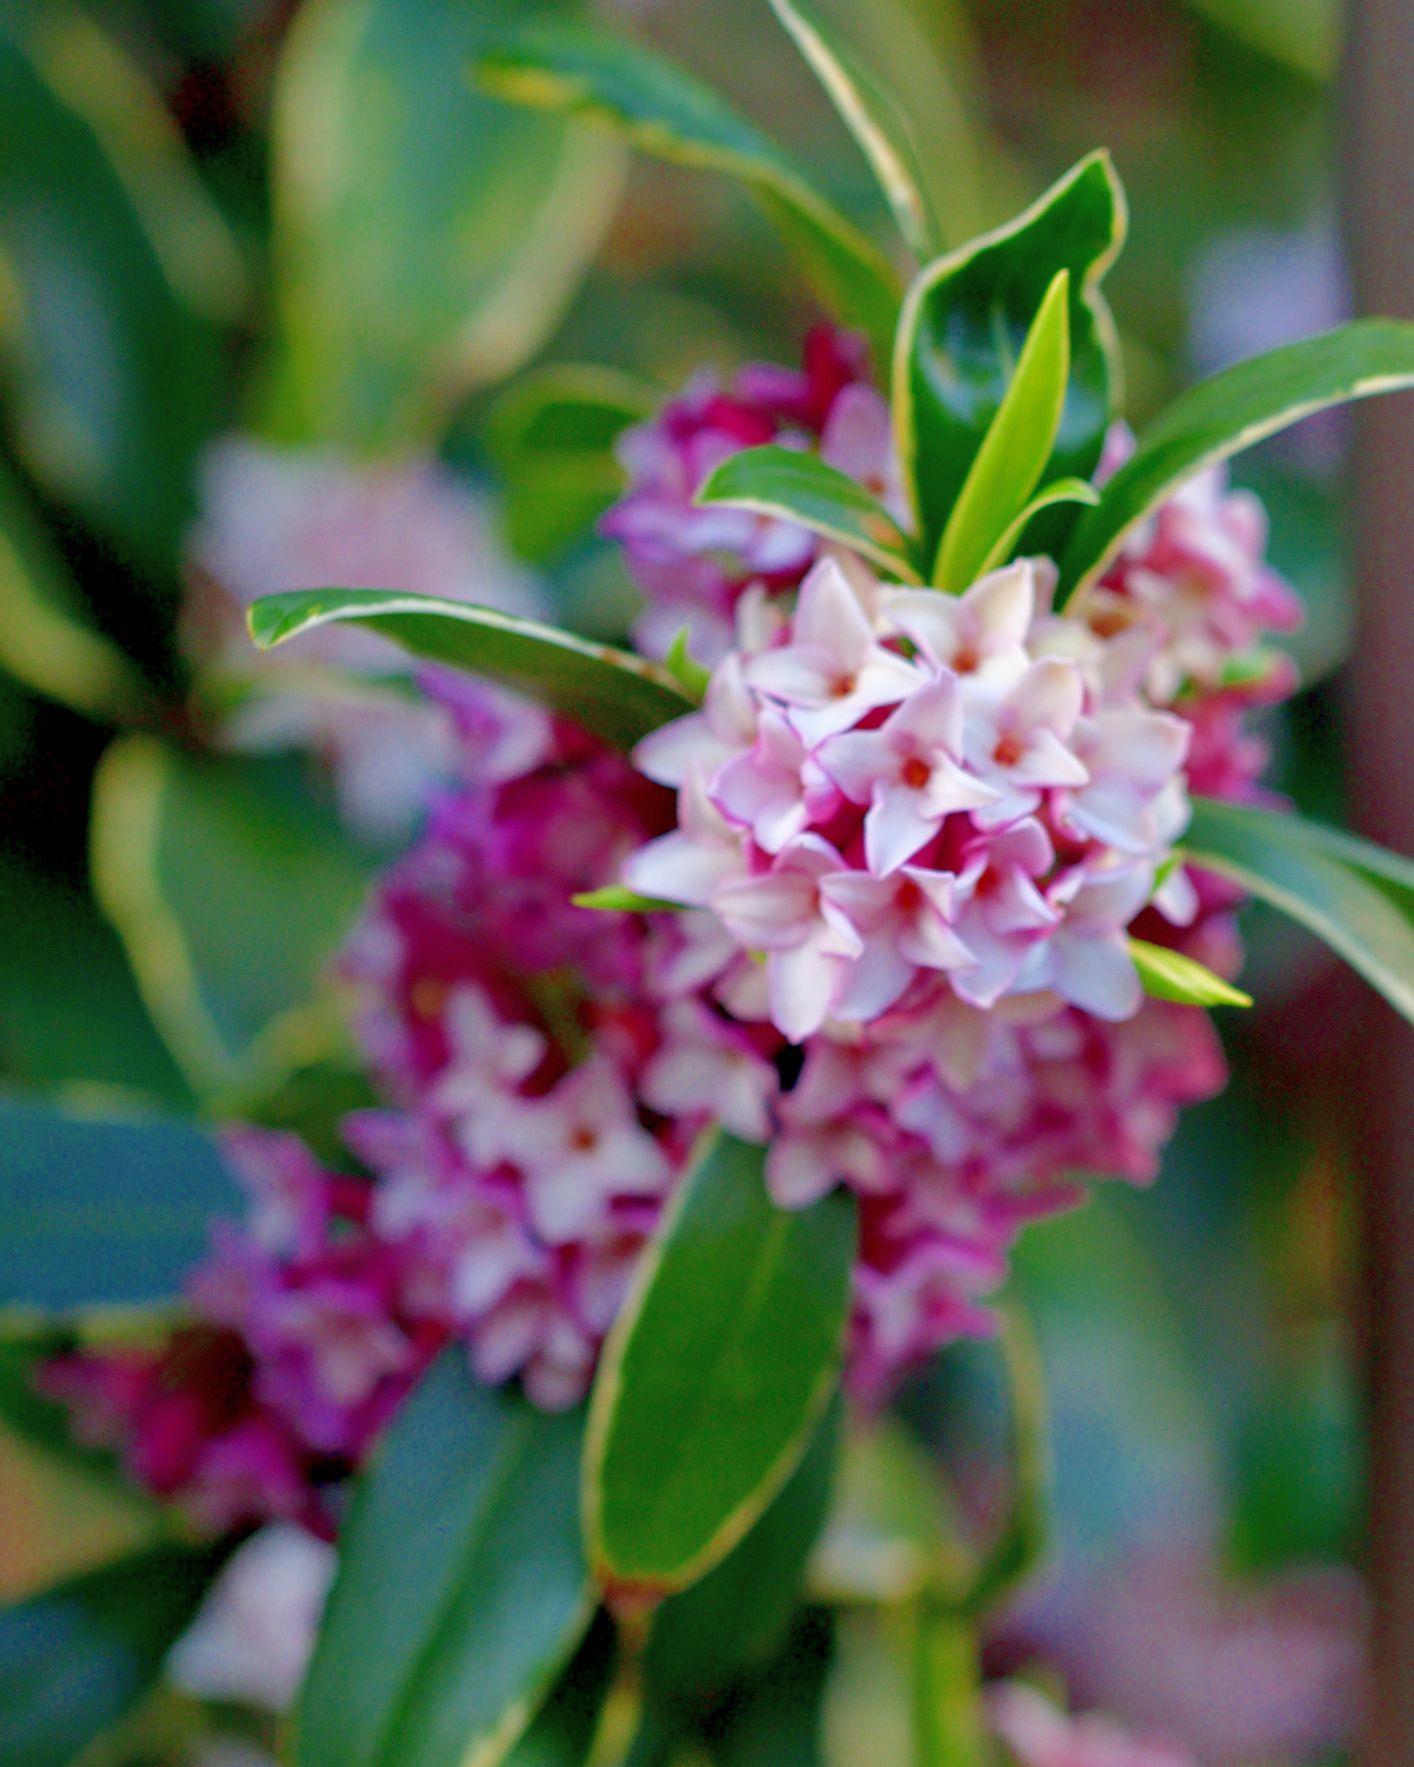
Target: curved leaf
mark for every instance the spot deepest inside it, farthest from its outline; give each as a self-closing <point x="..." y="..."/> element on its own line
<point x="230" y="888"/>
<point x="78" y="1658"/>
<point x="1356" y="897"/>
<point x="461" y="1588"/>
<point x="963" y="324"/>
<point x="1008" y="466"/>
<point x="872" y="116"/>
<point x="1169" y="975"/>
<point x="1060" y="491"/>
<point x="1231" y="411"/>
<point x="664" y="111"/>
<point x="715" y="1373"/>
<point x="803" y="488"/>
<point x="427" y="239"/>
<point x="612" y="693"/>
<point x="103" y="1213"/>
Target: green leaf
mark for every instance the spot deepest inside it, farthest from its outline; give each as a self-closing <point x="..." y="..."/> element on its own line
<point x="664" y="111"/>
<point x="737" y="1617"/>
<point x="803" y="488"/>
<point x="1356" y="897"/>
<point x="78" y="1658"/>
<point x="615" y="899"/>
<point x="116" y="379"/>
<point x="680" y="663"/>
<point x="230" y="888"/>
<point x="1008" y="466"/>
<point x="47" y="638"/>
<point x="1169" y="975"/>
<point x="553" y="439"/>
<point x="963" y="324"/>
<point x="99" y="1214"/>
<point x="427" y="239"/>
<point x="715" y="1374"/>
<point x="872" y="116"/>
<point x="612" y="693"/>
<point x="1060" y="491"/>
<point x="1231" y="411"/>
<point x="461" y="1588"/>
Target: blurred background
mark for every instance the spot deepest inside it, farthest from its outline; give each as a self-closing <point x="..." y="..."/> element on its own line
<point x="250" y="249"/>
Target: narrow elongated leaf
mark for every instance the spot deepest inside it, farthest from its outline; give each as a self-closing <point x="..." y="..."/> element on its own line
<point x="78" y="1658"/>
<point x="1356" y="897"/>
<point x="1014" y="452"/>
<point x="461" y="1589"/>
<point x="230" y="888"/>
<point x="562" y="1731"/>
<point x="1233" y="410"/>
<point x="738" y="1615"/>
<point x="612" y="693"/>
<point x="1169" y="975"/>
<point x="47" y="638"/>
<point x="615" y="899"/>
<point x="103" y="1213"/>
<point x="427" y="238"/>
<point x="963" y="324"/>
<point x="665" y="112"/>
<point x="872" y="116"/>
<point x="802" y="488"/>
<point x="715" y="1374"/>
<point x="1062" y="491"/>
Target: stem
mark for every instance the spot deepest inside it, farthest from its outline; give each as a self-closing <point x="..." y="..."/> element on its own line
<point x="948" y="1730"/>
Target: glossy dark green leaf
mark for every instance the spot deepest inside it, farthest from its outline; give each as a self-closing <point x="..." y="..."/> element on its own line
<point x="1232" y="411"/>
<point x="553" y="440"/>
<point x="47" y="638"/>
<point x="612" y="693"/>
<point x="1008" y="466"/>
<point x="872" y="115"/>
<point x="963" y="325"/>
<point x="100" y="1213"/>
<point x="78" y="1658"/>
<point x="427" y="238"/>
<point x="737" y="1617"/>
<point x="664" y="111"/>
<point x="230" y="888"/>
<point x="116" y="377"/>
<point x="716" y="1373"/>
<point x="1169" y="975"/>
<point x="1357" y="897"/>
<point x="803" y="488"/>
<point x="461" y="1589"/>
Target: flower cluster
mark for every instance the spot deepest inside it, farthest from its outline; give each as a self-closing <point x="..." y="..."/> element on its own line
<point x="299" y="1352"/>
<point x="695" y="564"/>
<point x="275" y="519"/>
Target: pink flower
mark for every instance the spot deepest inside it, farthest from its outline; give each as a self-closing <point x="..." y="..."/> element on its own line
<point x="909" y="771"/>
<point x="785" y="913"/>
<point x="1018" y="742"/>
<point x="833" y="670"/>
<point x="982" y="632"/>
<point x="705" y="1056"/>
<point x="905" y="922"/>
